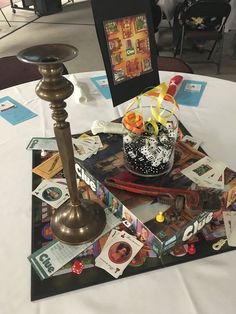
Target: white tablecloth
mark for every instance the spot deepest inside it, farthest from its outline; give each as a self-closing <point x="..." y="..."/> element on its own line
<point x="204" y="286"/>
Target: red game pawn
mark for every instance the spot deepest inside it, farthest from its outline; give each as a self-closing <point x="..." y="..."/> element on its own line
<point x="191" y="249"/>
<point x="77" y="267"/>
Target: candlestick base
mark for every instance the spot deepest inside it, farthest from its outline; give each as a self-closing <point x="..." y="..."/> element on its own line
<point x="78" y="224"/>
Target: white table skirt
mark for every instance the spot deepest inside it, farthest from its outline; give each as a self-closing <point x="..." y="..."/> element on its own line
<point x="202" y="286"/>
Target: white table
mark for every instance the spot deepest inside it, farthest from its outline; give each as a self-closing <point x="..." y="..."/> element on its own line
<point x="202" y="286"/>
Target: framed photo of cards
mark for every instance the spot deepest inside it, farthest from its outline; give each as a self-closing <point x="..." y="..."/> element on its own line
<point x="126" y="37"/>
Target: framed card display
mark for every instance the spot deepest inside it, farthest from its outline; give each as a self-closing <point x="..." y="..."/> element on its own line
<point x="126" y="38"/>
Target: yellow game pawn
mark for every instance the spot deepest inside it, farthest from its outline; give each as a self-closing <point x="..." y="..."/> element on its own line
<point x="160" y="217"/>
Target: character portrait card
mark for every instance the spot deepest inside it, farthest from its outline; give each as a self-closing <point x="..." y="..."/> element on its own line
<point x="120" y="248"/>
<point x="129" y="219"/>
<point x="126" y="37"/>
<point x="143" y="234"/>
<point x="52" y="193"/>
<point x="231" y="196"/>
<point x="102" y="193"/>
<point x="115" y="205"/>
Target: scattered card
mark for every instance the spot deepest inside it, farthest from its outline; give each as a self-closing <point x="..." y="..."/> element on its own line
<point x="190" y="93"/>
<point x="193" y="142"/>
<point x="230" y="226"/>
<point x="206" y="172"/>
<point x="52" y="193"/>
<point x="232" y="240"/>
<point x="50" y="167"/>
<point x="14" y="112"/>
<point x="85" y="146"/>
<point x="39" y="143"/>
<point x="118" y="252"/>
<point x="227" y="223"/>
<point x="215" y="181"/>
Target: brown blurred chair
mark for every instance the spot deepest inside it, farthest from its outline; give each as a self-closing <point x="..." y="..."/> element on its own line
<point x="173" y="64"/>
<point x="14" y="72"/>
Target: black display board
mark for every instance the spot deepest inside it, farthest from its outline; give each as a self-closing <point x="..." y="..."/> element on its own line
<point x="126" y="37"/>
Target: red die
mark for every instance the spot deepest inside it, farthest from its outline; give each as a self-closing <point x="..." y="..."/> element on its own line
<point x="77" y="267"/>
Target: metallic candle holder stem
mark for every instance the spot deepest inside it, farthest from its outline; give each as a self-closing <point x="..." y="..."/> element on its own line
<point x="77" y="221"/>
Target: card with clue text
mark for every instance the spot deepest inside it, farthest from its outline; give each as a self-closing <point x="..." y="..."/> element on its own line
<point x="52" y="193"/>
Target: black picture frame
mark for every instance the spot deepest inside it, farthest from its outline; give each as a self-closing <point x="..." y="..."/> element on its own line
<point x="105" y="11"/>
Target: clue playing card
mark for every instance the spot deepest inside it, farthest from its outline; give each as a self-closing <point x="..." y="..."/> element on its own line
<point x="230" y="226"/>
<point x="38" y="143"/>
<point x="52" y="193"/>
<point x="206" y="172"/>
<point x="13" y="111"/>
<point x="50" y="167"/>
<point x="231" y="196"/>
<point x="190" y="93"/>
<point x="118" y="252"/>
<point x="85" y="146"/>
<point x="195" y="143"/>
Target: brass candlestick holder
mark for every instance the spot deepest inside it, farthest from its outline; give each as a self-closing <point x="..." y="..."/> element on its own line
<point x="77" y="221"/>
